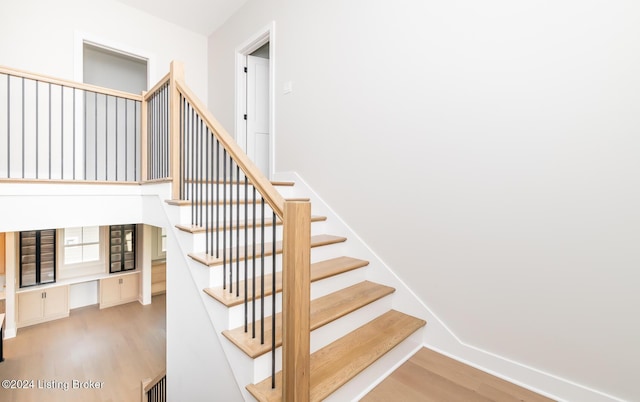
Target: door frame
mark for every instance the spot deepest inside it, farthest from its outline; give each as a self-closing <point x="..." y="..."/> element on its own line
<point x="80" y="38"/>
<point x="263" y="36"/>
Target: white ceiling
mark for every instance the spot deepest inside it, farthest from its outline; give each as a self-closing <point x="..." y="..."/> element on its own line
<point x="201" y="16"/>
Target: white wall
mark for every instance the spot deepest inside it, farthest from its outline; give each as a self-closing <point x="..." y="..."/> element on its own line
<point x="40" y="36"/>
<point x="496" y="140"/>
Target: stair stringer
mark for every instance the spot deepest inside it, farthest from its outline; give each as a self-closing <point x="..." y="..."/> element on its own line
<point x="194" y="357"/>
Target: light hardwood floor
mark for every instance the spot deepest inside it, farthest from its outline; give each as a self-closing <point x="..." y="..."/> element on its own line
<point x="119" y="346"/>
<point x="431" y="377"/>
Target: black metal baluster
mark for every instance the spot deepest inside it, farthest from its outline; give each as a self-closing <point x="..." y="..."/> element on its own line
<point x="8" y="126"/>
<point x="217" y="198"/>
<point x="206" y="209"/>
<point x="126" y="139"/>
<point x="261" y="269"/>
<point x="95" y="133"/>
<point x="37" y="131"/>
<point x="49" y="131"/>
<point x="73" y="162"/>
<point x="182" y="148"/>
<point x="201" y="164"/>
<point x="231" y="224"/>
<point x="106" y="138"/>
<point x="224" y="218"/>
<point x="211" y="188"/>
<point x="136" y="136"/>
<point x="149" y="134"/>
<point x="238" y="230"/>
<point x="62" y="132"/>
<point x="187" y="145"/>
<point x="198" y="160"/>
<point x="116" y="178"/>
<point x="193" y="138"/>
<point x="86" y="130"/>
<point x="253" y="259"/>
<point x="246" y="257"/>
<point x="23" y="127"/>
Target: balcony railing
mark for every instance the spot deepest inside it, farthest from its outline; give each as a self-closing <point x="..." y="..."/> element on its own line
<point x="58" y="130"/>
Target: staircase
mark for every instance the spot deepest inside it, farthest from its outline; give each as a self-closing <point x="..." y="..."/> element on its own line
<point x="292" y="301"/>
<point x="352" y="320"/>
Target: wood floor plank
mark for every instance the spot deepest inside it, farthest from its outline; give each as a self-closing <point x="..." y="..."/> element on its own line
<point x="119" y="346"/>
<point x="431" y="376"/>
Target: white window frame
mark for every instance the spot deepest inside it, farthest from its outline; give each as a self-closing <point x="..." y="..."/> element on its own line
<point x="66" y="271"/>
<point x="157" y="253"/>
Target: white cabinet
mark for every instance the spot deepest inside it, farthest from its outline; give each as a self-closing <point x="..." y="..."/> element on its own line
<point x="158" y="278"/>
<point x="40" y="305"/>
<point x="119" y="289"/>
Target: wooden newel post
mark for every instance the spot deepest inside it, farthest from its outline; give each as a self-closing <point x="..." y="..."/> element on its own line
<point x="296" y="293"/>
<point x="176" y="73"/>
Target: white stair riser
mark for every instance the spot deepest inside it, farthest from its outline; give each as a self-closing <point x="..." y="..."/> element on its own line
<point x="200" y="238"/>
<point x="326" y="334"/>
<point x="230" y="237"/>
<point x="233" y="191"/>
<point x="186" y="217"/>
<point x="318" y="289"/>
<point x="236" y="313"/>
<point x="216" y="273"/>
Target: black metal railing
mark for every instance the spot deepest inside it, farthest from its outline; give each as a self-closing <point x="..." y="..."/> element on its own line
<point x="235" y="218"/>
<point x="58" y="130"/>
<point x="158" y="392"/>
<point x="158" y="133"/>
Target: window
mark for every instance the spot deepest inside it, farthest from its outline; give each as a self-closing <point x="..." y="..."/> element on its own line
<point x="163" y="240"/>
<point x="159" y="244"/>
<point x="37" y="257"/>
<point x="81" y="245"/>
<point x="122" y="243"/>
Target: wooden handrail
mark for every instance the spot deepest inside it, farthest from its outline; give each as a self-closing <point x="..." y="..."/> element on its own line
<point x="148" y="94"/>
<point x="147" y="384"/>
<point x="151" y="383"/>
<point x="70" y="84"/>
<point x="255" y="176"/>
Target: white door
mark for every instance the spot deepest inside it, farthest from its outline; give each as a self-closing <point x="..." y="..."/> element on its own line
<point x="258" y="112"/>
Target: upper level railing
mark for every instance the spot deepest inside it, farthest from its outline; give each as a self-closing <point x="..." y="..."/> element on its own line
<point x="54" y="129"/>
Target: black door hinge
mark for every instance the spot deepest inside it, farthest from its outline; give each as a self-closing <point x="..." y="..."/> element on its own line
<point x="245" y="69"/>
<point x="245" y="117"/>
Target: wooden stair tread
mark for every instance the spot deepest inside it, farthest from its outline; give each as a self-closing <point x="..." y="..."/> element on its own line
<point x="182" y="203"/>
<point x="319" y="270"/>
<point x="337" y="363"/>
<point x="323" y="311"/>
<point x="316" y="241"/>
<point x="240" y="225"/>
